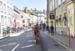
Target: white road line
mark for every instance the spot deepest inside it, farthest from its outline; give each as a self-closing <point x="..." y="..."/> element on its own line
<point x="28" y="46"/>
<point x="32" y="41"/>
<point x="15" y="47"/>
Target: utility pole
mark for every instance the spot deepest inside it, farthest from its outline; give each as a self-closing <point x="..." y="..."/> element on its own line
<point x="48" y="9"/>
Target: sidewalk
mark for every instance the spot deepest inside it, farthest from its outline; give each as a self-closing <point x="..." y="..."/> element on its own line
<point x="14" y="34"/>
<point x="19" y="33"/>
<point x="63" y="40"/>
<point x="2" y="37"/>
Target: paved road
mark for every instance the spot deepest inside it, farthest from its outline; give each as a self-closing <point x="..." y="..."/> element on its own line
<point x="49" y="44"/>
<point x="26" y="42"/>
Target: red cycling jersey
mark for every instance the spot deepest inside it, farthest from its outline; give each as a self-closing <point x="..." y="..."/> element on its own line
<point x="36" y="29"/>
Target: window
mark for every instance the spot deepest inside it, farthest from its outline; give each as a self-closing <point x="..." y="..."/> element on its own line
<point x="23" y="21"/>
<point x="23" y="25"/>
<point x="52" y="16"/>
<point x="2" y="20"/>
<point x="21" y="16"/>
<point x="16" y="11"/>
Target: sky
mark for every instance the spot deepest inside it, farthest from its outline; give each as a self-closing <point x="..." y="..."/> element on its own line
<point x="39" y="4"/>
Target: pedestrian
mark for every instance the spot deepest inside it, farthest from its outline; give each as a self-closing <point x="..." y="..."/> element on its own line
<point x="52" y="30"/>
<point x="47" y="27"/>
<point x="44" y="26"/>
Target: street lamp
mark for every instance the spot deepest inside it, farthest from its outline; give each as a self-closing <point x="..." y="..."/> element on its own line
<point x="48" y="12"/>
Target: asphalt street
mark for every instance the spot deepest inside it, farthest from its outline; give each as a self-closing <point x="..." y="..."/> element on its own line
<point x="26" y="42"/>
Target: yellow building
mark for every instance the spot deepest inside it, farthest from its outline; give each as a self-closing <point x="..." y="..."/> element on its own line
<point x="71" y="16"/>
<point x="64" y="15"/>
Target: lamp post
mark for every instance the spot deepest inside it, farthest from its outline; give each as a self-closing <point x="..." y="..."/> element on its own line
<point x="48" y="9"/>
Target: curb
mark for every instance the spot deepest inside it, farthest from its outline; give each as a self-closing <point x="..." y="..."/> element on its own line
<point x="4" y="37"/>
<point x="10" y="35"/>
<point x="61" y="43"/>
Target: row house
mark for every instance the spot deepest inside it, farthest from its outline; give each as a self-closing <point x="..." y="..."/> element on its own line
<point x="5" y="17"/>
<point x="64" y="13"/>
<point x="12" y="18"/>
<point x="23" y="20"/>
<point x="16" y="21"/>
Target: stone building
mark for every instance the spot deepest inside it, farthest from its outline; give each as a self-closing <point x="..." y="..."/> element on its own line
<point x="6" y="17"/>
<point x="64" y="11"/>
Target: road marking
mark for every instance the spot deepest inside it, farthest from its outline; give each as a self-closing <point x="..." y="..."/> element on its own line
<point x="32" y="41"/>
<point x="15" y="47"/>
<point x="28" y="46"/>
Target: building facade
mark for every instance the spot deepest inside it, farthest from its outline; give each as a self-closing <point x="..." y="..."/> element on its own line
<point x="12" y="18"/>
<point x="24" y="20"/>
<point x="16" y="18"/>
<point x="64" y="11"/>
<point x="5" y="17"/>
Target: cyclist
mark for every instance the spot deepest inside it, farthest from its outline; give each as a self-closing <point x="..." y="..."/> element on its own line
<point x="36" y="30"/>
